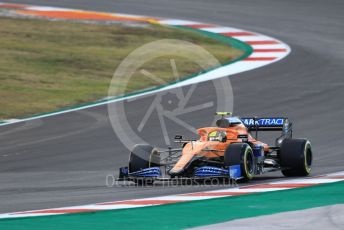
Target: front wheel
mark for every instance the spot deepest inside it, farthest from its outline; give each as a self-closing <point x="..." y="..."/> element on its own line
<point x="296" y="157"/>
<point x="240" y="154"/>
<point x="143" y="156"/>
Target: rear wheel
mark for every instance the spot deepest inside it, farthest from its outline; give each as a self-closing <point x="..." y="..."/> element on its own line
<point x="143" y="156"/>
<point x="240" y="154"/>
<point x="296" y="157"/>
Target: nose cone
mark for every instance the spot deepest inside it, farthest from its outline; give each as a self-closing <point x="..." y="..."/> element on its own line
<point x="194" y="148"/>
<point x="189" y="151"/>
<point x="181" y="165"/>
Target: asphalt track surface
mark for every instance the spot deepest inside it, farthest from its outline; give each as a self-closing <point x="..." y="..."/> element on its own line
<point x="63" y="160"/>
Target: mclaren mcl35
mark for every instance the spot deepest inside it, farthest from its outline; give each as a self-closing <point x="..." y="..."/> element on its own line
<point x="231" y="150"/>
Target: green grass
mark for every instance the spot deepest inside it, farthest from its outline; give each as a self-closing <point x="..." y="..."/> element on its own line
<point x="47" y="65"/>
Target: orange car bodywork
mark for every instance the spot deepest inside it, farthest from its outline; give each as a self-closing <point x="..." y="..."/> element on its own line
<point x="213" y="149"/>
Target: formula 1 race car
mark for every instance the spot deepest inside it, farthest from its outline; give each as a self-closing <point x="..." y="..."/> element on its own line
<point x="226" y="151"/>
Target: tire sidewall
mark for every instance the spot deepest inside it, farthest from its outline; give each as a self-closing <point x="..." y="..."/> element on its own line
<point x="247" y="150"/>
<point x="308" y="146"/>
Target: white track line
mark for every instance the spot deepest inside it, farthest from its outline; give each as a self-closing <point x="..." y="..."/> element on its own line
<point x="220" y="30"/>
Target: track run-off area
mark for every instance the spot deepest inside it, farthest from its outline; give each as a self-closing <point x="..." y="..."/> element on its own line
<point x="259" y="50"/>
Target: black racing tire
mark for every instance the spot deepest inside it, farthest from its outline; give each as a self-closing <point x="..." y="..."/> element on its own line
<point x="143" y="156"/>
<point x="296" y="157"/>
<point x="240" y="154"/>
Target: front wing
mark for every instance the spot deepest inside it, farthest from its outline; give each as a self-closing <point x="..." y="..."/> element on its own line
<point x="200" y="174"/>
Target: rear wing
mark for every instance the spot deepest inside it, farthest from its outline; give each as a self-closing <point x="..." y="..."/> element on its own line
<point x="266" y="124"/>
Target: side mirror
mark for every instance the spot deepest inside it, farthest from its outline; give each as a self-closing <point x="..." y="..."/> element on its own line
<point x="178" y="137"/>
<point x="243" y="137"/>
